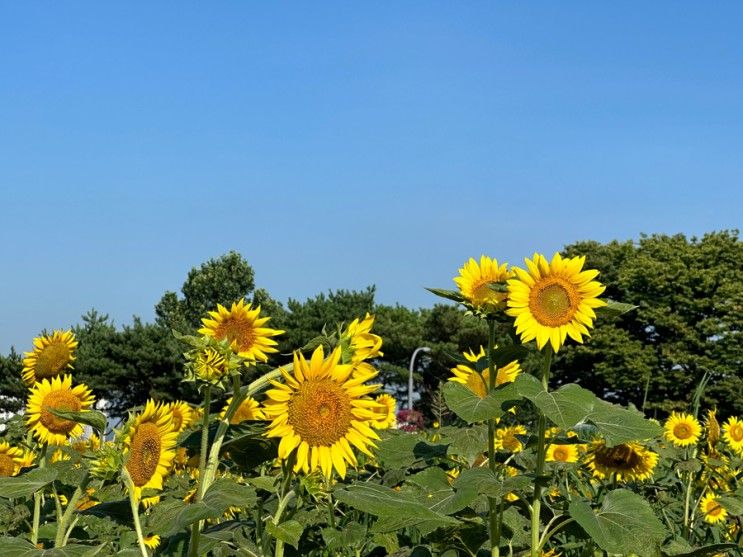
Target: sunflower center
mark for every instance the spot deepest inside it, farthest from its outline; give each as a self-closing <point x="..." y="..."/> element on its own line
<point x="51" y="360"/>
<point x="320" y="412"/>
<point x="144" y="453"/>
<point x="736" y="432"/>
<point x="7" y="466"/>
<point x="482" y="292"/>
<point x="714" y="508"/>
<point x="561" y="454"/>
<point x="510" y="442"/>
<point x="553" y="301"/>
<point x="59" y="400"/>
<point x="620" y="458"/>
<point x="682" y="431"/>
<point x="237" y="329"/>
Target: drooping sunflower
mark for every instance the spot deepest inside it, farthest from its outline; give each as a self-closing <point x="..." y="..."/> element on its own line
<point x="52" y="355"/>
<point x="243" y="328"/>
<point x="149" y="447"/>
<point x="10" y="459"/>
<point x="475" y="282"/>
<point x="479" y="383"/>
<point x="320" y="411"/>
<point x="562" y="453"/>
<point x="682" y="429"/>
<point x="183" y="415"/>
<point x="712" y="509"/>
<point x="733" y="434"/>
<point x="505" y="438"/>
<point x="248" y="410"/>
<point x="58" y="394"/>
<point x="385" y="412"/>
<point x="362" y="344"/>
<point x="627" y="462"/>
<point x="553" y="300"/>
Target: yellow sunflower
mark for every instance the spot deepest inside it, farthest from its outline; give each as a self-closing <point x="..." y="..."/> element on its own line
<point x="58" y="394"/>
<point x="361" y="342"/>
<point x="733" y="434"/>
<point x="52" y="355"/>
<point x="183" y="415"/>
<point x="209" y="365"/>
<point x="321" y="411"/>
<point x="562" y="453"/>
<point x="505" y="438"/>
<point x="627" y="462"/>
<point x="152" y="542"/>
<point x="553" y="300"/>
<point x="149" y="447"/>
<point x="682" y="429"/>
<point x="712" y="509"/>
<point x="385" y="412"/>
<point x="248" y="410"/>
<point x="243" y="328"/>
<point x="713" y="429"/>
<point x="479" y="383"/>
<point x="475" y="282"/>
<point x="10" y="459"/>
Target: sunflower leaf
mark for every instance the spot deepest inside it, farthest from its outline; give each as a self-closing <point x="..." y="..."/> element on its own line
<point x="623" y="524"/>
<point x="453" y="295"/>
<point x="471" y="408"/>
<point x="614" y="309"/>
<point x="95" y="419"/>
<point x="27" y="484"/>
<point x="289" y="531"/>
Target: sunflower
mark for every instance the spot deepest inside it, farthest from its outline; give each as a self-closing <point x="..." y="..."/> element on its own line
<point x="682" y="429"/>
<point x="10" y="459"/>
<point x="627" y="462"/>
<point x="208" y="365"/>
<point x="505" y="438"/>
<point x="52" y="355"/>
<point x="385" y="412"/>
<point x="183" y="415"/>
<point x="248" y="410"/>
<point x="243" y="328"/>
<point x="562" y="453"/>
<point x="361" y="342"/>
<point x="479" y="383"/>
<point x="475" y="282"/>
<point x="58" y="394"/>
<point x="713" y="511"/>
<point x="553" y="300"/>
<point x="321" y="411"/>
<point x="733" y="434"/>
<point x="713" y="429"/>
<point x="152" y="542"/>
<point x="149" y="447"/>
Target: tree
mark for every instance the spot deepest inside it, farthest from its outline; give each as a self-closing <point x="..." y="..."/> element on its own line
<point x="13" y="392"/>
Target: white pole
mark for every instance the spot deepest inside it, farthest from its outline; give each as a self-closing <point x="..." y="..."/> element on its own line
<point x="410" y="376"/>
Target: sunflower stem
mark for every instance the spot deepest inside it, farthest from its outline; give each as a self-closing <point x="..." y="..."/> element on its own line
<point x="193" y="546"/>
<point x="37" y="502"/>
<point x="134" y="504"/>
<point x="541" y="428"/>
<point x="331" y="506"/>
<point x="493" y="502"/>
<point x="61" y="538"/>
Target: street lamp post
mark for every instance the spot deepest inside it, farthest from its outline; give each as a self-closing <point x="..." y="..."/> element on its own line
<point x="410" y="377"/>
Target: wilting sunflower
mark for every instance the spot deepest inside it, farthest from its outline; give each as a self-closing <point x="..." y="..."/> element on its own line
<point x="58" y="394"/>
<point x="248" y="410"/>
<point x="183" y="415"/>
<point x="713" y="429"/>
<point x="627" y="462"/>
<point x="52" y="355"/>
<point x="385" y="412"/>
<point x="149" y="447"/>
<point x="475" y="282"/>
<point x="553" y="300"/>
<point x="10" y="459"/>
<point x="682" y="429"/>
<point x="505" y="438"/>
<point x="321" y="411"/>
<point x="243" y="328"/>
<point x="733" y="434"/>
<point x="562" y="453"/>
<point x="712" y="509"/>
<point x="479" y="383"/>
<point x="362" y="344"/>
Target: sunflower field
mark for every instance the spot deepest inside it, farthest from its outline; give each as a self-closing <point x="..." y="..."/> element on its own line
<point x="313" y="458"/>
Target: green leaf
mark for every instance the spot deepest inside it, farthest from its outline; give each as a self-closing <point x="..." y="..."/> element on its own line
<point x="27" y="484"/>
<point x="623" y="524"/>
<point x="732" y="505"/>
<point x="453" y="295"/>
<point x="289" y="532"/>
<point x="402" y="450"/>
<point x="17" y="547"/>
<point x="350" y="535"/>
<point x="485" y="482"/>
<point x="93" y="418"/>
<point x="614" y="309"/>
<point x="706" y="551"/>
<point x="620" y="425"/>
<point x="504" y="355"/>
<point x="467" y="442"/>
<point x="471" y="408"/>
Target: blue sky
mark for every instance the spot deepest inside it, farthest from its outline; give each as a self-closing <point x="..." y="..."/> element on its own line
<point x="342" y="144"/>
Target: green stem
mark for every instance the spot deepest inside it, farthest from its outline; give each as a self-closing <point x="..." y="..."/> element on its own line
<point x="37" y="502"/>
<point x="541" y="428"/>
<point x="134" y="504"/>
<point x="193" y="546"/>
<point x="286" y="496"/>
<point x="493" y="502"/>
<point x="647" y="389"/>
<point x="60" y="539"/>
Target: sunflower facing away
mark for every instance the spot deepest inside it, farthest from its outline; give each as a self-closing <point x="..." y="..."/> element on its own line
<point x="712" y="509"/>
<point x="149" y="447"/>
<point x="733" y="434"/>
<point x="626" y="462"/>
<point x="52" y="355"/>
<point x="10" y="460"/>
<point x="562" y="453"/>
<point x="248" y="410"/>
<point x="479" y="383"/>
<point x="475" y="281"/>
<point x="682" y="429"/>
<point x="553" y="300"/>
<point x="243" y="328"/>
<point x="384" y="412"/>
<point x="58" y="394"/>
<point x="320" y="411"/>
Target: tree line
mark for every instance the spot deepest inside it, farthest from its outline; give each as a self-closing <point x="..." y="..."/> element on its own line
<point x="688" y="322"/>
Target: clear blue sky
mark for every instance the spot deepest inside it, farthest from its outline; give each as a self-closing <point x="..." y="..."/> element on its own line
<point x="342" y="144"/>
